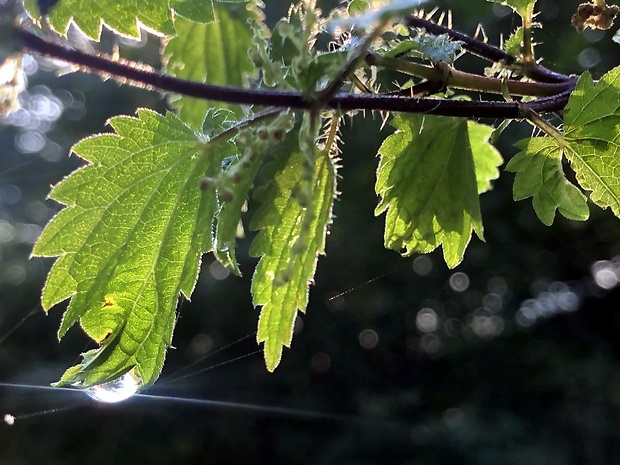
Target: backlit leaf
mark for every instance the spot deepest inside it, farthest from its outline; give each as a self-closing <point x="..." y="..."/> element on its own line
<point x="130" y="240"/>
<point x="286" y="267"/>
<point x="539" y="175"/>
<point x="592" y="137"/>
<point x="487" y="158"/>
<point x="122" y="16"/>
<point x="428" y="183"/>
<point x="216" y="53"/>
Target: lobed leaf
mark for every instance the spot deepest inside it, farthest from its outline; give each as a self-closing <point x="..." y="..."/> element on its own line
<point x="429" y="180"/>
<point x="122" y="16"/>
<point x="286" y="267"/>
<point x="513" y="45"/>
<point x="592" y="137"/>
<point x="130" y="240"/>
<point x="487" y="158"/>
<point x="539" y="175"/>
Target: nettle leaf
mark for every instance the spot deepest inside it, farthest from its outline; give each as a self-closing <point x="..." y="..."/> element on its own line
<point x="130" y="241"/>
<point x="429" y="177"/>
<point x="487" y="158"/>
<point x="216" y="53"/>
<point x="539" y="175"/>
<point x="514" y="43"/>
<point x="122" y="16"/>
<point x="522" y="7"/>
<point x="592" y="137"/>
<point x="286" y="267"/>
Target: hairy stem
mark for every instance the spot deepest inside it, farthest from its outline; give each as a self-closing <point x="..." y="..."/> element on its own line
<point x="284" y="99"/>
<point x="489" y="52"/>
<point x="549" y="129"/>
<point x="247" y="123"/>
<point x="528" y="44"/>
<point x="452" y="77"/>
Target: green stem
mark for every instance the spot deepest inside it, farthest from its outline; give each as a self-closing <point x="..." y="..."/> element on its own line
<point x="528" y="44"/>
<point x="542" y="124"/>
<point x="245" y="124"/>
<point x="451" y="77"/>
<point x="332" y="134"/>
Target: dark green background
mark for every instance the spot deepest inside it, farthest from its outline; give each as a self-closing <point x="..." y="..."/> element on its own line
<point x="547" y="393"/>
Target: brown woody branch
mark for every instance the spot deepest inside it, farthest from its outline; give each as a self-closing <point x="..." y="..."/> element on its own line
<point x="284" y="99"/>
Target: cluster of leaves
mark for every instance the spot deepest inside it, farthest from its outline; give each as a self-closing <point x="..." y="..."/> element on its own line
<point x="163" y="190"/>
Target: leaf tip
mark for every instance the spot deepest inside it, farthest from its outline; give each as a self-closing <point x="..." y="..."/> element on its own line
<point x="273" y="355"/>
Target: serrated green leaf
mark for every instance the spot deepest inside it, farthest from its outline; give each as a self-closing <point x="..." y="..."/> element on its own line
<point x="130" y="240"/>
<point x="122" y="16"/>
<point x="522" y="7"/>
<point x="592" y="137"/>
<point x="514" y="43"/>
<point x="539" y="175"/>
<point x="428" y="183"/>
<point x="216" y="53"/>
<point x="285" y="271"/>
<point x="487" y="158"/>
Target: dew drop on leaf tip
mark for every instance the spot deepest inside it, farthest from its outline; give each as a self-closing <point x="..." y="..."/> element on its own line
<point x="116" y="390"/>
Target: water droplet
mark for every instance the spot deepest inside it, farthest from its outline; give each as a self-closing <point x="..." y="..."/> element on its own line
<point x="9" y="419"/>
<point x="117" y="390"/>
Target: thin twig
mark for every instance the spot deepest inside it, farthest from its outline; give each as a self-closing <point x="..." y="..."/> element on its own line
<point x="454" y="78"/>
<point x="490" y="52"/>
<point x="284" y="99"/>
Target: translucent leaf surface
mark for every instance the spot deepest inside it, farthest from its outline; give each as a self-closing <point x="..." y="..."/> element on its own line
<point x="487" y="158"/>
<point x="125" y="17"/>
<point x="286" y="267"/>
<point x="429" y="179"/>
<point x="216" y="53"/>
<point x="130" y="241"/>
<point x="539" y="175"/>
<point x="592" y="137"/>
<point x="122" y="16"/>
<point x="200" y="11"/>
<point x="514" y="43"/>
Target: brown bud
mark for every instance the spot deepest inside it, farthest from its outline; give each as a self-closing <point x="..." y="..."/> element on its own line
<point x="206" y="183"/>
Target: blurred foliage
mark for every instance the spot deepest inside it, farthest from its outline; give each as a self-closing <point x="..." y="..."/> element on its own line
<point x="511" y="358"/>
